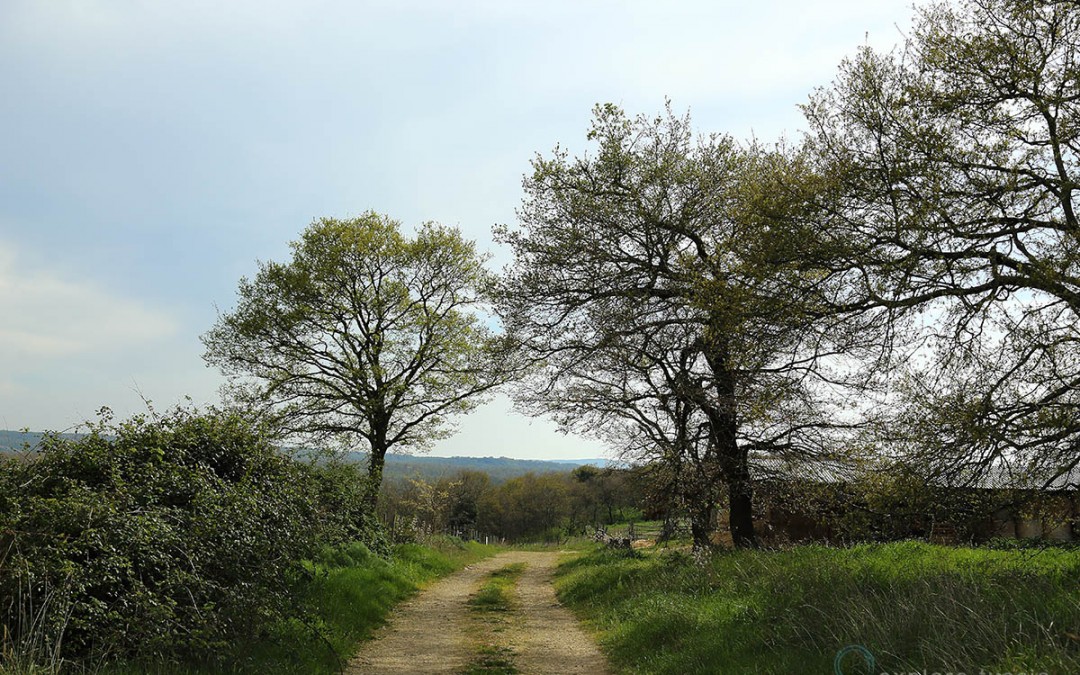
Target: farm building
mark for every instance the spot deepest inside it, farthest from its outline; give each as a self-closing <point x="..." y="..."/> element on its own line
<point x="829" y="500"/>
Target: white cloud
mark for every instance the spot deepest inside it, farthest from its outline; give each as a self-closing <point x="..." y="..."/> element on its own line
<point x="44" y="315"/>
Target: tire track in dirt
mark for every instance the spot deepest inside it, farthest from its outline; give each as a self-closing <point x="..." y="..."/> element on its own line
<point x="552" y="641"/>
<point x="431" y="633"/>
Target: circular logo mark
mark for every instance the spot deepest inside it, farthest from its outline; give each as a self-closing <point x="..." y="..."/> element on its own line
<point x="867" y="658"/>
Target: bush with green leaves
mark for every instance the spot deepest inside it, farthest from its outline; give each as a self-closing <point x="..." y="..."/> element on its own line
<point x="157" y="537"/>
<point x="340" y="491"/>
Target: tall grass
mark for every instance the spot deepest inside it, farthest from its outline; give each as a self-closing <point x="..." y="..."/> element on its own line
<point x="914" y="606"/>
<point x="33" y="644"/>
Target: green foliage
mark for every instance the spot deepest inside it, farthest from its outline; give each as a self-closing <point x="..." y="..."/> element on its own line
<point x="346" y="596"/>
<point x="530" y="507"/>
<point x="913" y="605"/>
<point x="349" y="595"/>
<point x="164" y="537"/>
<point x="653" y="286"/>
<point x="948" y="199"/>
<point x="365" y="335"/>
<point x="340" y="491"/>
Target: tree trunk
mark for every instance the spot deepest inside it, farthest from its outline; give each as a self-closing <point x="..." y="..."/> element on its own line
<point x="702" y="523"/>
<point x="741" y="502"/>
<point x="723" y="422"/>
<point x="736" y="473"/>
<point x="376" y="460"/>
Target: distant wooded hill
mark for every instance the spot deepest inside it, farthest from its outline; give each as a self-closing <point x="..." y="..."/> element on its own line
<point x="398" y="467"/>
<point x="499" y="469"/>
<point x="17" y="441"/>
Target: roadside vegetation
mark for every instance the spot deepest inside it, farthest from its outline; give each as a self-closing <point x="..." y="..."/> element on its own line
<point x="350" y="594"/>
<point x="187" y="542"/>
<point x="911" y="605"/>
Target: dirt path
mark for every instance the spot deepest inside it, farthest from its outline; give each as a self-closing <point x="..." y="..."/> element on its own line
<point x="434" y="632"/>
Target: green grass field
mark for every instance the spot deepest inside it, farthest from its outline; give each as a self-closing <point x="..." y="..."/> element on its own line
<point x="913" y="606"/>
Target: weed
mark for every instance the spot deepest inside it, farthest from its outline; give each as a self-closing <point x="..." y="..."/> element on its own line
<point x="490" y="604"/>
<point x="33" y="644"/>
<point x="492" y="660"/>
<point x="496" y="594"/>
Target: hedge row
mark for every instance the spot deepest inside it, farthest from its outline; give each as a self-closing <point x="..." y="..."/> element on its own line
<point x="161" y="537"/>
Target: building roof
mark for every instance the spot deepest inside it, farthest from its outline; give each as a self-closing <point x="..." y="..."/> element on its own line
<point x="999" y="476"/>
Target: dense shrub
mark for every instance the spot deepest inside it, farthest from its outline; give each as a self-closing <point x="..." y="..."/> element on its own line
<point x="886" y="504"/>
<point x="343" y="518"/>
<point x="160" y="536"/>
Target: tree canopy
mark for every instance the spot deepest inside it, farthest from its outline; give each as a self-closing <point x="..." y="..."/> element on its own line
<point x="365" y="335"/>
<point x="950" y="170"/>
<point x="644" y="289"/>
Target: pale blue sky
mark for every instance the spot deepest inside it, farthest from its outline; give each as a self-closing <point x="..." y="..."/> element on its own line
<point x="152" y="151"/>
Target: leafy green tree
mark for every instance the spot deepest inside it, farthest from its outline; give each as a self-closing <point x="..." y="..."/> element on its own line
<point x="340" y="488"/>
<point x="601" y="496"/>
<point x="466" y="490"/>
<point x="365" y="335"/>
<point x="525" y="507"/>
<point x="428" y="504"/>
<point x="647" y="290"/>
<point x="949" y="174"/>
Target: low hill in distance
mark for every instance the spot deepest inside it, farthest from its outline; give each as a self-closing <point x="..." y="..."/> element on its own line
<point x="499" y="469"/>
<point x="19" y="441"/>
<point x="398" y="467"/>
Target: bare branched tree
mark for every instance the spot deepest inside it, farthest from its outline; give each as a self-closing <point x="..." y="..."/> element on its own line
<point x="652" y="285"/>
<point x="950" y="171"/>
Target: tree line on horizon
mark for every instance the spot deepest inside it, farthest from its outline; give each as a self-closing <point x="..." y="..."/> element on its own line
<point x="549" y="507"/>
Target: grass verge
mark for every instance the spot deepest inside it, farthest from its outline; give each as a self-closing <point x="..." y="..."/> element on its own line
<point x="347" y="595"/>
<point x="913" y="606"/>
